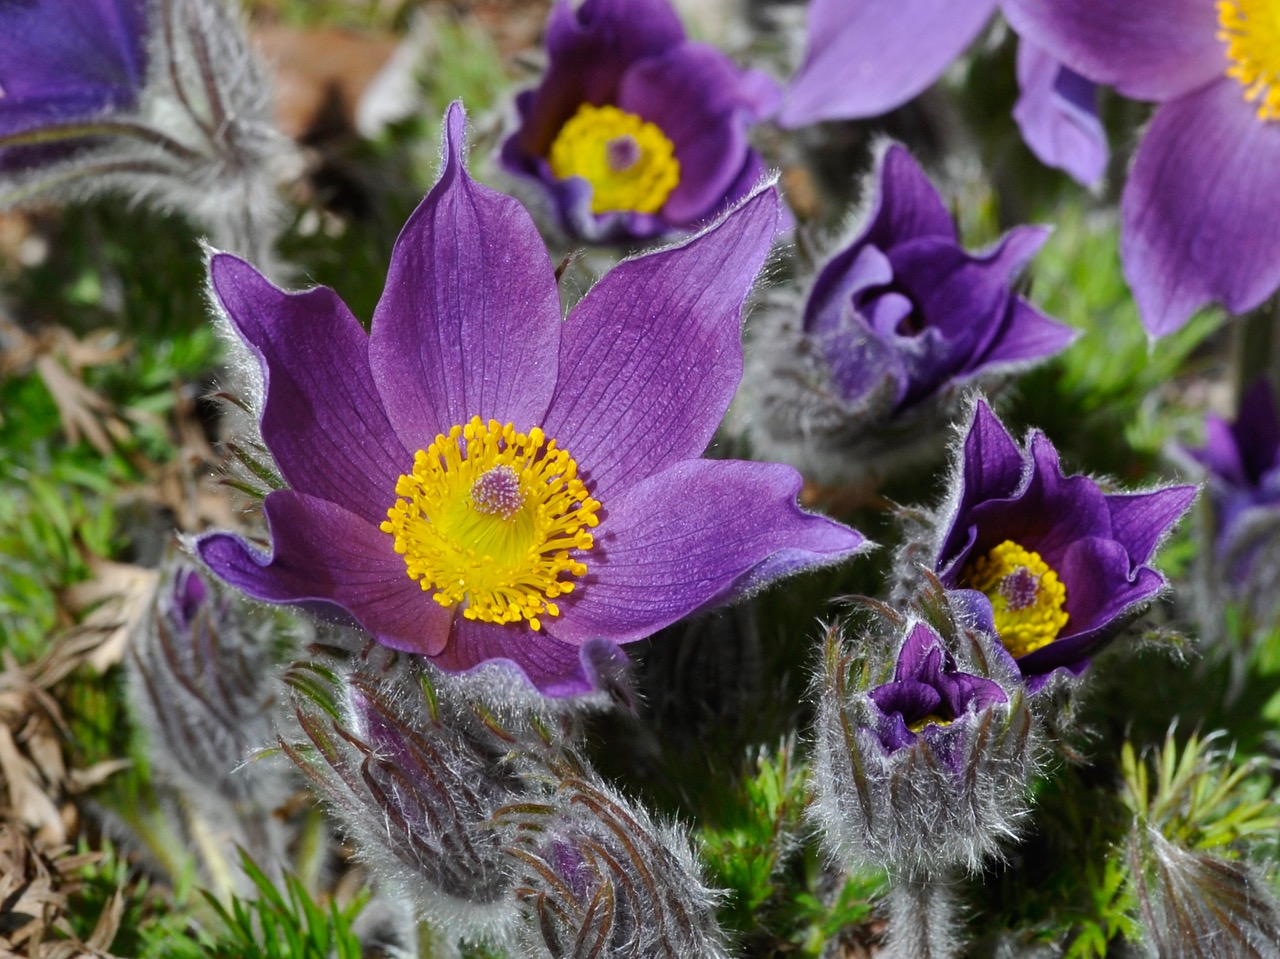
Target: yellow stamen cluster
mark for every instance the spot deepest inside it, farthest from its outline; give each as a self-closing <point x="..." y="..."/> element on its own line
<point x="1251" y="31"/>
<point x="930" y="720"/>
<point x="628" y="161"/>
<point x="1025" y="593"/>
<point x="491" y="518"/>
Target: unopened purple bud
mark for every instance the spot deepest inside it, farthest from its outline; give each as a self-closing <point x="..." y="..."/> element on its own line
<point x="927" y="769"/>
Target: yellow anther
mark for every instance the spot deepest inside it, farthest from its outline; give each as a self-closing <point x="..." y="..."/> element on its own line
<point x="1025" y="593"/>
<point x="628" y="161"/>
<point x="487" y="519"/>
<point x="1251" y="31"/>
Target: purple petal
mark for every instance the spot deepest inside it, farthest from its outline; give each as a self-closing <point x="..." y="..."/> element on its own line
<point x="1102" y="590"/>
<point x="652" y="355"/>
<point x="1221" y="454"/>
<point x="864" y="59"/>
<point x="695" y="95"/>
<point x="992" y="468"/>
<point x="1200" y="215"/>
<point x="69" y="59"/>
<point x="469" y="322"/>
<point x="1140" y="520"/>
<point x="556" y="668"/>
<point x="1146" y="49"/>
<point x="323" y="554"/>
<point x="913" y="700"/>
<point x="1057" y="113"/>
<point x="1257" y="431"/>
<point x="323" y="419"/>
<point x="700" y="533"/>
<point x="1027" y="335"/>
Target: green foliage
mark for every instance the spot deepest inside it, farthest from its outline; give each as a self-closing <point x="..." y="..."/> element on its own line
<point x="291" y="925"/>
<point x="1199" y="798"/>
<point x="780" y="896"/>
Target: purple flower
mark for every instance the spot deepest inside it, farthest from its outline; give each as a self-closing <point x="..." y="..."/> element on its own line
<point x="1242" y="459"/>
<point x="864" y="58"/>
<point x="1200" y="214"/>
<point x="1061" y="564"/>
<point x="929" y="695"/>
<point x="480" y="479"/>
<point x="635" y="131"/>
<point x="67" y="61"/>
<point x="904" y="312"/>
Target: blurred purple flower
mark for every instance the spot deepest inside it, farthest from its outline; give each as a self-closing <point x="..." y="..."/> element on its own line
<point x="929" y="697"/>
<point x="560" y="506"/>
<point x="1062" y="565"/>
<point x="904" y="312"/>
<point x="1200" y="214"/>
<point x="634" y="130"/>
<point x="1242" y="459"/>
<point x="866" y="57"/>
<point x="67" y="61"/>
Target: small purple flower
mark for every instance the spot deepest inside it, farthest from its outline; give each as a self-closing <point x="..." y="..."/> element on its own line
<point x="1061" y="564"/>
<point x="616" y="527"/>
<point x="635" y="131"/>
<point x="65" y="62"/>
<point x="864" y="58"/>
<point x="1242" y="459"/>
<point x="1200" y="214"/>
<point x="929" y="694"/>
<point x="904" y="312"/>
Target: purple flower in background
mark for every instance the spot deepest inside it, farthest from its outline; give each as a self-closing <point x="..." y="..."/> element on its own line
<point x="1062" y="565"/>
<point x="67" y="61"/>
<point x="929" y="695"/>
<point x="904" y="312"/>
<point x="867" y="57"/>
<point x="634" y="130"/>
<point x="556" y="503"/>
<point x="1200" y="214"/>
<point x="1242" y="459"/>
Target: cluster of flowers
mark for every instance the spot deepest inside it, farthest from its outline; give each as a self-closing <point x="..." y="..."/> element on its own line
<point x="490" y="488"/>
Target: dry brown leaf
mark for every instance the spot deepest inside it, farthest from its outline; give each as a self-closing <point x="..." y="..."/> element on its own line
<point x="120" y="594"/>
<point x="27" y="795"/>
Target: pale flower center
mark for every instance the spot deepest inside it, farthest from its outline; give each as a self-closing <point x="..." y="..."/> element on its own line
<point x="492" y="519"/>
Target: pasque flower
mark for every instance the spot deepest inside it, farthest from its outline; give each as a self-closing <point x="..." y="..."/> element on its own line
<point x="1060" y="564"/>
<point x="1200" y="214"/>
<point x="904" y="312"/>
<point x="65" y="61"/>
<point x="921" y="765"/>
<point x="635" y="131"/>
<point x="479" y="479"/>
<point x="864" y="58"/>
<point x="1241" y="462"/>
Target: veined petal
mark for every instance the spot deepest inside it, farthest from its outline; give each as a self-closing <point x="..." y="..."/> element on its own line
<point x="323" y="554"/>
<point x="556" y="668"/>
<point x="1146" y="49"/>
<point x="1027" y="335"/>
<point x="700" y="533"/>
<point x="652" y="355"/>
<point x="1057" y="112"/>
<point x="1140" y="520"/>
<point x="469" y="322"/>
<point x="692" y="94"/>
<point x="864" y="59"/>
<point x="323" y="419"/>
<point x="61" y="59"/>
<point x="1200" y="215"/>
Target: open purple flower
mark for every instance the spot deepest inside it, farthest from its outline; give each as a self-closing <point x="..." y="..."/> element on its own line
<point x="634" y="130"/>
<point x="864" y="58"/>
<point x="67" y="61"/>
<point x="1062" y="565"/>
<point x="556" y="504"/>
<point x="1200" y="214"/>
<point x="904" y="312"/>
<point x="929" y="694"/>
